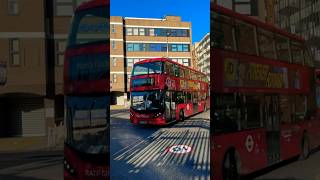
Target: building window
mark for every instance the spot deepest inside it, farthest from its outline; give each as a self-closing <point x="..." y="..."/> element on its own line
<point x="151" y="32"/>
<point x="64" y="7"/>
<point x="135" y="31"/>
<point x="243" y="8"/>
<point x="113" y="44"/>
<point x="60" y="48"/>
<point x="141" y="32"/>
<point x="174" y="48"/>
<point x="157" y="47"/>
<point x="137" y="47"/>
<point x="114" y="61"/>
<point x="15" y="52"/>
<point x="113" y="28"/>
<point x="129" y="31"/>
<point x="13" y="7"/>
<point x="185" y="48"/>
<point x="129" y="47"/>
<point x="186" y="62"/>
<point x="129" y="62"/>
<point x="114" y="78"/>
<point x="179" y="48"/>
<point x="162" y="32"/>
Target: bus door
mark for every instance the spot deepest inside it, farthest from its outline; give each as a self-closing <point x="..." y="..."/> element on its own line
<point x="195" y="102"/>
<point x="170" y="106"/>
<point x="272" y="123"/>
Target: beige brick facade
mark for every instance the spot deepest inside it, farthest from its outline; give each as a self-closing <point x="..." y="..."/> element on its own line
<point x="122" y="59"/>
<point x="22" y="50"/>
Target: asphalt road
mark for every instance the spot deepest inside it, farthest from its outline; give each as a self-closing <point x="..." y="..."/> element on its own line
<point x="308" y="169"/>
<point x="36" y="165"/>
<point x="142" y="152"/>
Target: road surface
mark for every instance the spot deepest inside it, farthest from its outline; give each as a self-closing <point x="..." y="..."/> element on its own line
<point x="37" y="165"/>
<point x="139" y="152"/>
<point x="308" y="169"/>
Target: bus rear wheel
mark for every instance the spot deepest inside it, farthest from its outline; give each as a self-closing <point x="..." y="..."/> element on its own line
<point x="230" y="169"/>
<point x="305" y="149"/>
<point x="181" y="115"/>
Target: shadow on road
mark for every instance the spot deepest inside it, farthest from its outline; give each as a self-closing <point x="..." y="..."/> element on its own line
<point x="153" y="150"/>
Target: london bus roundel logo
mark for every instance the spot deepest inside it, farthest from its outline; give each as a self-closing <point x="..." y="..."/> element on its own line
<point x="249" y="143"/>
<point x="180" y="149"/>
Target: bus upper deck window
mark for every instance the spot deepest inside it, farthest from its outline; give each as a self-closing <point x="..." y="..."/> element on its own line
<point x="222" y="31"/>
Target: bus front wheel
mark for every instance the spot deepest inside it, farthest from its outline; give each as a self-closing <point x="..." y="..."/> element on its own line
<point x="230" y="167"/>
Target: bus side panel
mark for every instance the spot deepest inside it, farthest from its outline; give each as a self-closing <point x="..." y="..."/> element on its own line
<point x="178" y="109"/>
<point x="313" y="129"/>
<point x="189" y="109"/>
<point x="200" y="106"/>
<point x="290" y="139"/>
<point x="315" y="126"/>
<point x="248" y="144"/>
<point x="83" y="169"/>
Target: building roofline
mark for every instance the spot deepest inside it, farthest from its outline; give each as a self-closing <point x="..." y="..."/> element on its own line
<point x="152" y="19"/>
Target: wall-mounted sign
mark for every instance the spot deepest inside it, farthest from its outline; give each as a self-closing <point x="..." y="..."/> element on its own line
<point x="3" y="74"/>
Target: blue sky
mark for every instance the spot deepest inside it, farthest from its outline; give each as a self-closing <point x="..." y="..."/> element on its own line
<point x="195" y="11"/>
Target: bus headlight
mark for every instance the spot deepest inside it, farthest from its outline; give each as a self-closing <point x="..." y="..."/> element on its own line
<point x="157" y="115"/>
<point x="68" y="167"/>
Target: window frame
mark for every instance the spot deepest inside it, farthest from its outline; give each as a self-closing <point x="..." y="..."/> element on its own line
<point x="13" y="52"/>
<point x="11" y="13"/>
<point x="59" y="52"/>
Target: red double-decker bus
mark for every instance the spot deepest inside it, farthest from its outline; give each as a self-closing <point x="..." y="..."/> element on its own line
<point x="163" y="91"/>
<point x="264" y="95"/>
<point x="86" y="88"/>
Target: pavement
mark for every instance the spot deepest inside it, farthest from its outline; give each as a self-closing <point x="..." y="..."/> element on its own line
<point x="118" y="107"/>
<point x="25" y="144"/>
<point x="308" y="169"/>
<point x="144" y="152"/>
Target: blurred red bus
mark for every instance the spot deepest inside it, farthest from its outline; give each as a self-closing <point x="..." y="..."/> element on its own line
<point x="163" y="91"/>
<point x="86" y="88"/>
<point x="263" y="95"/>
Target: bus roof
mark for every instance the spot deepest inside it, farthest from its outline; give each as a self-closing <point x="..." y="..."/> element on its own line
<point x="93" y="4"/>
<point x="168" y="60"/>
<point x="253" y="21"/>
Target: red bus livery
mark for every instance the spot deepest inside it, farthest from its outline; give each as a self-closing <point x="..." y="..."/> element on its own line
<point x="86" y="87"/>
<point x="163" y="91"/>
<point x="264" y="95"/>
